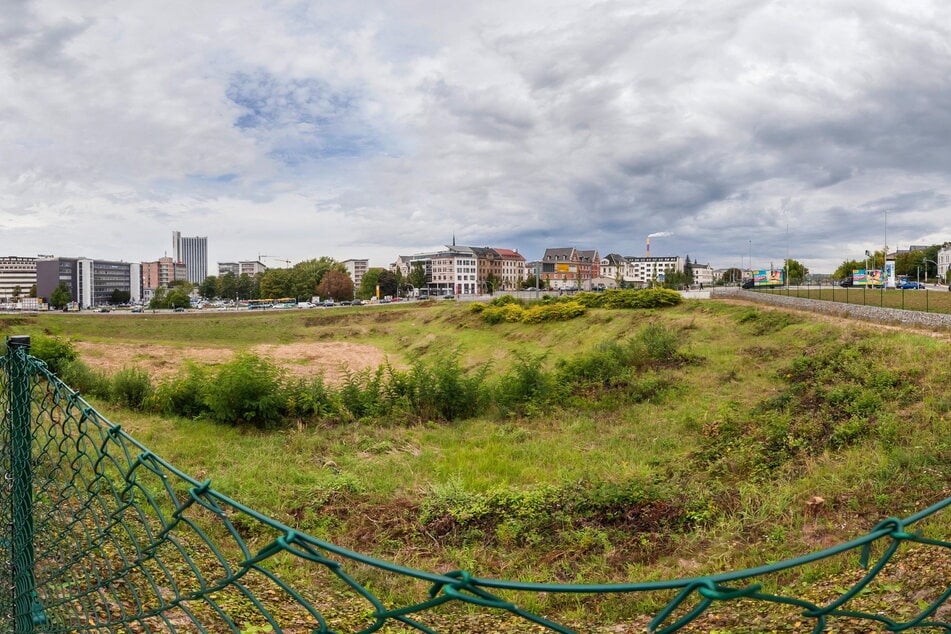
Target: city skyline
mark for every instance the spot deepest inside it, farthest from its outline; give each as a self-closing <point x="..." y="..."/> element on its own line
<point x="736" y="130"/>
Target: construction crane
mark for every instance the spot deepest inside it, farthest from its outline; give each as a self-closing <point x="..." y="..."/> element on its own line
<point x="271" y="257"/>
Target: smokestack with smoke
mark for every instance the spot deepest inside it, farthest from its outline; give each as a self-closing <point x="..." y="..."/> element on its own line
<point x="659" y="234"/>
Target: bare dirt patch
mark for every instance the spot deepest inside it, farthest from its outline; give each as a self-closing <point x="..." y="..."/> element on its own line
<point x="332" y="359"/>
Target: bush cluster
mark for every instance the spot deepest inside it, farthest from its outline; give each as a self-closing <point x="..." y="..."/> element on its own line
<point x="553" y="514"/>
<point x="251" y="391"/>
<point x="563" y="308"/>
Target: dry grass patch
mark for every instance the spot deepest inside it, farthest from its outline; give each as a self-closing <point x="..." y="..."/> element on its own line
<point x="332" y="359"/>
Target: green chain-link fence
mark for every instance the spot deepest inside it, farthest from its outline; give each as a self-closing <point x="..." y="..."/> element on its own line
<point x="104" y="536"/>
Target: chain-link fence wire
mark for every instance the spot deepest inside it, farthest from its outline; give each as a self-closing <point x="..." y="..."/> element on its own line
<point x="122" y="541"/>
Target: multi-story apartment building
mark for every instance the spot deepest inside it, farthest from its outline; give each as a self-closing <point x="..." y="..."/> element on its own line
<point x="17" y="277"/>
<point x="356" y="269"/>
<point x="194" y="253"/>
<point x="90" y="282"/>
<point x="505" y="266"/>
<point x="245" y="267"/>
<point x="161" y="272"/>
<point x="570" y="268"/>
<point x="637" y="271"/>
<point x="644" y="271"/>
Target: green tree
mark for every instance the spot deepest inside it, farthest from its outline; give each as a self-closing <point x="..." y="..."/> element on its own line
<point x="17" y="291"/>
<point x="61" y="296"/>
<point x="119" y="296"/>
<point x="417" y="275"/>
<point x="32" y="291"/>
<point x="248" y="286"/>
<point x="158" y="299"/>
<point x="796" y="272"/>
<point x="307" y="275"/>
<point x="226" y="286"/>
<point x="177" y="298"/>
<point x="336" y="285"/>
<point x="209" y="287"/>
<point x="492" y="282"/>
<point x="845" y="269"/>
<point x="676" y="279"/>
<point x="688" y="272"/>
<point x="369" y="282"/>
<point x="388" y="282"/>
<point x="276" y="283"/>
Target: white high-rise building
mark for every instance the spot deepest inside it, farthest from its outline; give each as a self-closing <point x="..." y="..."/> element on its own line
<point x="194" y="253"/>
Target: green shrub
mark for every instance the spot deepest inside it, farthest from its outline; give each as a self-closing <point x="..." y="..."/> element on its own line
<point x="310" y="398"/>
<point x="184" y="394"/>
<point x="443" y="391"/>
<point x="504" y="300"/>
<point x="559" y="311"/>
<point x="525" y="388"/>
<point x="607" y="364"/>
<point x="56" y="352"/>
<point x="131" y="387"/>
<point x="85" y="380"/>
<point x="660" y="343"/>
<point x="246" y="390"/>
<point x="366" y="393"/>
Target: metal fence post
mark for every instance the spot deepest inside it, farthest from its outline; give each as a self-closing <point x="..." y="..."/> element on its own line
<point x="27" y="612"/>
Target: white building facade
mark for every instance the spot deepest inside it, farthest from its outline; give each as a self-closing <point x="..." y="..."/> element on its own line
<point x="17" y="277"/>
<point x="356" y="269"/>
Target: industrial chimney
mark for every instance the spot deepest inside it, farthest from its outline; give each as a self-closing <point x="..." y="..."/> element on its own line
<point x="648" y="246"/>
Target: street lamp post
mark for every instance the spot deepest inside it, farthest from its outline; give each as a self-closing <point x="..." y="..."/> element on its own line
<point x="926" y="260"/>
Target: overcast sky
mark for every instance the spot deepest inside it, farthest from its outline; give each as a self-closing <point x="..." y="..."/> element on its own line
<point x="373" y="129"/>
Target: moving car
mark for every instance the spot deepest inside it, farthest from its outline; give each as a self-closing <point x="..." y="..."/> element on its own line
<point x="748" y="284"/>
<point x="911" y="285"/>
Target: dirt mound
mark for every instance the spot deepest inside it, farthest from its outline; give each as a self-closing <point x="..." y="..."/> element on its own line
<point x="332" y="359"/>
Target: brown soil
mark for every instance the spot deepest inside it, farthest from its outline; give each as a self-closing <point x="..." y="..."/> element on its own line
<point x="331" y="359"/>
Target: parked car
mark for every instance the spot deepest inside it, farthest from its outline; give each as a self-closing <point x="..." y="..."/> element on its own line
<point x="911" y="285"/>
<point x="357" y="302"/>
<point x="846" y="283"/>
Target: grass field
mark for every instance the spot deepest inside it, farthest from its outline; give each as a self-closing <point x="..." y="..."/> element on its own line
<point x="711" y="463"/>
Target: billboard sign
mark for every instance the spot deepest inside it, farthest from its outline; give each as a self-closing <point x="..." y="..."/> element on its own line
<point x="768" y="277"/>
<point x="871" y="277"/>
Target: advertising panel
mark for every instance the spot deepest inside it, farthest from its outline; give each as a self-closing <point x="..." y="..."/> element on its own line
<point x="871" y="277"/>
<point x="890" y="274"/>
<point x="773" y="277"/>
<point x="564" y="268"/>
